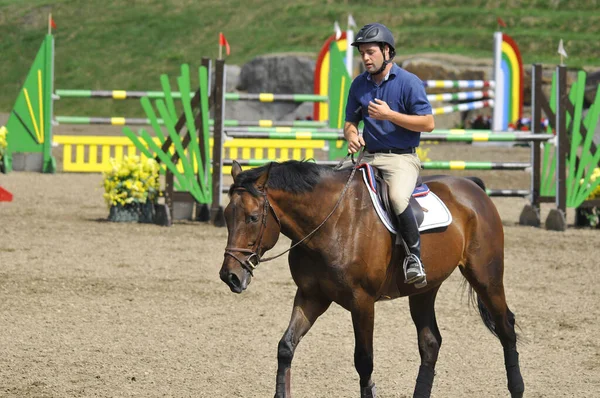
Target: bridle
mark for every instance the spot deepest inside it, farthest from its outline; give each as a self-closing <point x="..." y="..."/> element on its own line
<point x="253" y="259"/>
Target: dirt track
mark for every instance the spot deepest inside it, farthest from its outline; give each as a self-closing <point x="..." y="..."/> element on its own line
<point x="96" y="309"/>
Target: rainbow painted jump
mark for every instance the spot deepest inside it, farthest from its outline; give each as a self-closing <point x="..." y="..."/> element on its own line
<point x="460" y="96"/>
<point x="463" y="107"/>
<point x="459" y="84"/>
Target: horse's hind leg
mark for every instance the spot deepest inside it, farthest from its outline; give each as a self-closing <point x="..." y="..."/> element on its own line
<point x="422" y="310"/>
<point x="486" y="279"/>
<point x="305" y="313"/>
<point x="363" y="321"/>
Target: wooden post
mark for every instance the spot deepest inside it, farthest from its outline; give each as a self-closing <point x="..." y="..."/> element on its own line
<point x="562" y="138"/>
<point x="530" y="215"/>
<point x="169" y="190"/>
<point x="556" y="219"/>
<point x="536" y="126"/>
<point x="203" y="211"/>
<point x="217" y="159"/>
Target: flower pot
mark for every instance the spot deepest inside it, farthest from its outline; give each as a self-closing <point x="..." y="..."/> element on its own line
<point x="133" y="212"/>
<point x="587" y="217"/>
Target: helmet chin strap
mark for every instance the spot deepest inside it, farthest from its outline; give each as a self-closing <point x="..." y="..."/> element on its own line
<point x="385" y="63"/>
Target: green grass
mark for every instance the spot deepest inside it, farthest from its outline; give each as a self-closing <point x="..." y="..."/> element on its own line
<point x="108" y="44"/>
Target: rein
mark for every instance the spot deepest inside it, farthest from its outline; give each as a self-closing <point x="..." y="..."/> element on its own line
<point x="248" y="264"/>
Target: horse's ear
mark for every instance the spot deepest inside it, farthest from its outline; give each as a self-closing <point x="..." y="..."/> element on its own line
<point x="235" y="169"/>
<point x="261" y="182"/>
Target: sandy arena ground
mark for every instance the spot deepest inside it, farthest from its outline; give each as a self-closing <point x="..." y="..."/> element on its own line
<point x="90" y="308"/>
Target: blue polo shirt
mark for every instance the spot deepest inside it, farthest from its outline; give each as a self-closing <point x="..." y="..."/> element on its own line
<point x="404" y="92"/>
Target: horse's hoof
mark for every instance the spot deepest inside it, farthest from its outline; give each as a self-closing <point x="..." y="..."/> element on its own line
<point x="368" y="392"/>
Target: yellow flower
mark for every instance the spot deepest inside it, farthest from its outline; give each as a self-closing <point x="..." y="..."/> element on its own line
<point x="131" y="180"/>
<point x="596" y="192"/>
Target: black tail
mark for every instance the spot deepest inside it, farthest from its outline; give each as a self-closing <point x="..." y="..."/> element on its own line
<point x="484" y="313"/>
<point x="477" y="181"/>
<point x="488" y="320"/>
<point x="486" y="316"/>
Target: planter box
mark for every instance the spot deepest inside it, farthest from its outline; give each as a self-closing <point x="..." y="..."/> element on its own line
<point x="183" y="211"/>
<point x="583" y="215"/>
<point x="134" y="212"/>
<point x="28" y="161"/>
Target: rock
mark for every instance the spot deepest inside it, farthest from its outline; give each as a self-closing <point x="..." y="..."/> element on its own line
<point x="447" y="67"/>
<point x="232" y="76"/>
<point x="591" y="86"/>
<point x="278" y="74"/>
<point x="448" y="121"/>
<point x="547" y="73"/>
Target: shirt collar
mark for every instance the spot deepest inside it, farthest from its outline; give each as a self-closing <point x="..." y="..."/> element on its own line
<point x="391" y="73"/>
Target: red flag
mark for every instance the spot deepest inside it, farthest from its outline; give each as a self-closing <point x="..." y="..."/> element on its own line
<point x="501" y="22"/>
<point x="223" y="42"/>
<point x="51" y="24"/>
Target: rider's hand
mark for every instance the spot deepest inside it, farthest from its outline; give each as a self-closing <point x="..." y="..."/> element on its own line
<point x="355" y="142"/>
<point x="379" y="109"/>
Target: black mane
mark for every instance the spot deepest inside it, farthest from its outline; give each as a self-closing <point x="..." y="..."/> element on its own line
<point x="291" y="176"/>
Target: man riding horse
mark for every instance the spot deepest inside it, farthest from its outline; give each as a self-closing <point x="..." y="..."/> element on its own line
<point x="341" y="251"/>
<point x="395" y="110"/>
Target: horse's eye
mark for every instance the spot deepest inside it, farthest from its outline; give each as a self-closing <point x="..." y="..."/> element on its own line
<point x="253" y="218"/>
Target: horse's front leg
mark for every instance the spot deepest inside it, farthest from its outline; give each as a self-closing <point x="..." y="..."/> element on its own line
<point x="305" y="313"/>
<point x="363" y="319"/>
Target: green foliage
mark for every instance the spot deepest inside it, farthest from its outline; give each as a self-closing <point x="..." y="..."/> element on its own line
<point x="191" y="173"/>
<point x="110" y="44"/>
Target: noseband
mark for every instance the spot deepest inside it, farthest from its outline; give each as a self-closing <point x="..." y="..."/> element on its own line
<point x="252" y="259"/>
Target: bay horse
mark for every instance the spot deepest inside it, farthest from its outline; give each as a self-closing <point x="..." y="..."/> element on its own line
<point x="351" y="259"/>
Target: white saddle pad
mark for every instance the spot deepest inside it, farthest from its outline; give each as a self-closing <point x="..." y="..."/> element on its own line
<point x="436" y="214"/>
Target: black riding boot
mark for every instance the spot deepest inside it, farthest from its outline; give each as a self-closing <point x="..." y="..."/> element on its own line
<point x="409" y="231"/>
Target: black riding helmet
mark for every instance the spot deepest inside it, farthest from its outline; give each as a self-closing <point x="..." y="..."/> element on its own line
<point x="376" y="33"/>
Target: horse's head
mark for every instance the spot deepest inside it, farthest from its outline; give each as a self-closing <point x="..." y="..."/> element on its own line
<point x="252" y="225"/>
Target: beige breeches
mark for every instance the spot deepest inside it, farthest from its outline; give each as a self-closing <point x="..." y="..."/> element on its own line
<point x="399" y="171"/>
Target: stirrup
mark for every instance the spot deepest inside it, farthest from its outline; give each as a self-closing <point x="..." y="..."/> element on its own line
<point x="417" y="274"/>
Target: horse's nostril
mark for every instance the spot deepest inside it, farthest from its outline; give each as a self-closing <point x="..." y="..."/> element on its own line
<point x="234" y="280"/>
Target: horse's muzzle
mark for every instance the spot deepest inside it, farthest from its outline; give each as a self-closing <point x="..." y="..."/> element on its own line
<point x="236" y="282"/>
